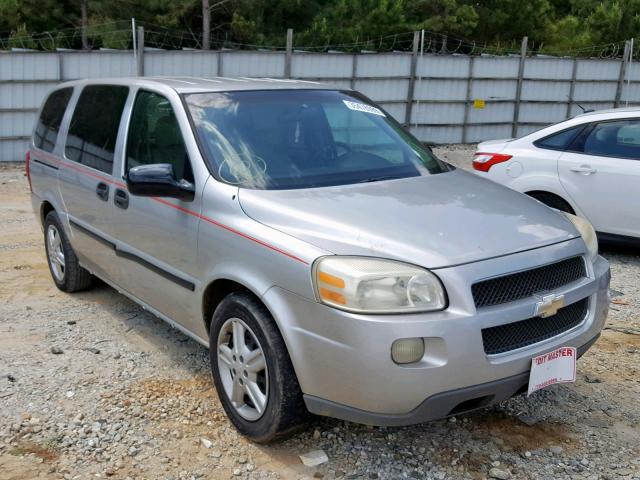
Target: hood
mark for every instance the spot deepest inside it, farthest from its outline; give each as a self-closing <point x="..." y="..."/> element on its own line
<point x="433" y="221"/>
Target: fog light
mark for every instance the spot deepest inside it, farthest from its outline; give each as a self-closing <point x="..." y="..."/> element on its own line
<point x="407" y="350"/>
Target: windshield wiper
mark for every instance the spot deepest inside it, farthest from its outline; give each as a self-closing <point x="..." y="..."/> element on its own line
<point x="379" y="179"/>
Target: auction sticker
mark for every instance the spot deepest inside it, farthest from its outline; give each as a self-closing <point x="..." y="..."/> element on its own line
<point x="362" y="107"/>
<point x="558" y="366"/>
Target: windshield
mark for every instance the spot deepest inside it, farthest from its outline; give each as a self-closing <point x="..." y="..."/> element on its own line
<point x="283" y="139"/>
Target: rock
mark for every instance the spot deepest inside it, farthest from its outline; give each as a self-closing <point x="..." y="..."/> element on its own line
<point x="70" y="393"/>
<point x="556" y="449"/>
<point x="528" y="420"/>
<point x="590" y="379"/>
<point x="116" y="355"/>
<point x="56" y="350"/>
<point x="71" y="322"/>
<point x="206" y="443"/>
<point x="314" y="458"/>
<point x="316" y="434"/>
<point x="92" y="350"/>
<point x="133" y="451"/>
<point x="11" y="378"/>
<point x="237" y="472"/>
<point x="615" y="293"/>
<point x="499" y="474"/>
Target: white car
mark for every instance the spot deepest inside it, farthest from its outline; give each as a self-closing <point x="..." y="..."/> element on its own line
<point x="588" y="165"/>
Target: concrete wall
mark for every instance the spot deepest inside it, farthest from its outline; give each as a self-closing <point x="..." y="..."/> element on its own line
<point x="455" y="99"/>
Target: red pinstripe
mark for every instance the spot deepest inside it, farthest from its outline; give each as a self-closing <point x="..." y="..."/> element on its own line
<point x="81" y="169"/>
<point x="229" y="229"/>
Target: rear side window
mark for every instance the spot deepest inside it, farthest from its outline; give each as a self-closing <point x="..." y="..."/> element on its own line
<point x="560" y="140"/>
<point x="614" y="139"/>
<point x="94" y="127"/>
<point x="46" y="133"/>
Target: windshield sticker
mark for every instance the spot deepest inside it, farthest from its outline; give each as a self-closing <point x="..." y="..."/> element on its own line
<point x="361" y="107"/>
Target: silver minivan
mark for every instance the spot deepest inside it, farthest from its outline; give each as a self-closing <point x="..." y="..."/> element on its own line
<point x="331" y="263"/>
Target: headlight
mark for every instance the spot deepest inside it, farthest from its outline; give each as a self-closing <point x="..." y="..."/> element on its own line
<point x="372" y="285"/>
<point x="587" y="232"/>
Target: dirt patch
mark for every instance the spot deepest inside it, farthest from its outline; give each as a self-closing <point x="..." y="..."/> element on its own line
<point x="511" y="433"/>
<point x="25" y="448"/>
<point x="613" y="341"/>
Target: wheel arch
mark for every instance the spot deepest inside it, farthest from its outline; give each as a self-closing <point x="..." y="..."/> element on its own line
<point x="215" y="291"/>
<point x="45" y="208"/>
<point x="563" y="198"/>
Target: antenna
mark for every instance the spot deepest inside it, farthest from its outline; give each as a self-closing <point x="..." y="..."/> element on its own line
<point x="585" y="110"/>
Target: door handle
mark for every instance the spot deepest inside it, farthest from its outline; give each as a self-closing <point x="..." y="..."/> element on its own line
<point x="584" y="169"/>
<point x="102" y="191"/>
<point x="121" y="199"/>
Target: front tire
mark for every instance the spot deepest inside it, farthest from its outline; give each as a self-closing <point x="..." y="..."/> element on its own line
<point x="252" y="372"/>
<point x="63" y="263"/>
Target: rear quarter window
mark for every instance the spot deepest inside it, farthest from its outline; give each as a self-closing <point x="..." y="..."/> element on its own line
<point x="48" y="126"/>
<point x="560" y="140"/>
<point x="94" y="127"/>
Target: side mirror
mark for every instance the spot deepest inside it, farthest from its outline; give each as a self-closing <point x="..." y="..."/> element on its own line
<point x="158" y="180"/>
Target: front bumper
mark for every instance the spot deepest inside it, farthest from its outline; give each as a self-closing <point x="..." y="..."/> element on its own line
<point x="343" y="360"/>
<point x="437" y="406"/>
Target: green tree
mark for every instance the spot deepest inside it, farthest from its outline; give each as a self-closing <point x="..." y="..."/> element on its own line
<point x="444" y="16"/>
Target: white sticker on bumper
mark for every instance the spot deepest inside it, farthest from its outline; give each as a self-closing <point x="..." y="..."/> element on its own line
<point x="558" y="366"/>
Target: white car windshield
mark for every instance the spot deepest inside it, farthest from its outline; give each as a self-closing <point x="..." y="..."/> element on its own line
<point x="284" y="139"/>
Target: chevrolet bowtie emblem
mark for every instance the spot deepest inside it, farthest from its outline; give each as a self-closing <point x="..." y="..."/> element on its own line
<point x="549" y="305"/>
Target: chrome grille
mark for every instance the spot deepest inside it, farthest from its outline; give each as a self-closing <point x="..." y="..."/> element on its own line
<point x="516" y="286"/>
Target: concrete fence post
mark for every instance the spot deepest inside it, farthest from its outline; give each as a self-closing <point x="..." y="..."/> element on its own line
<point x="623" y="72"/>
<point x="60" y="68"/>
<point x="572" y="87"/>
<point x="412" y="79"/>
<point x="288" y="54"/>
<point x="354" y="71"/>
<point x="516" y="107"/>
<point x="467" y="104"/>
<point x="140" y="57"/>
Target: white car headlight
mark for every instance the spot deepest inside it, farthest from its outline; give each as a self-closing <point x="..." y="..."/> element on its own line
<point x="588" y="234"/>
<point x="372" y="285"/>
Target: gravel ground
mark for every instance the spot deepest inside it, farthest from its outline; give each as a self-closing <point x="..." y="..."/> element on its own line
<point x="91" y="386"/>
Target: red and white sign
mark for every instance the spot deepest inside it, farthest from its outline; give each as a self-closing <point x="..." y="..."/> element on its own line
<point x="558" y="366"/>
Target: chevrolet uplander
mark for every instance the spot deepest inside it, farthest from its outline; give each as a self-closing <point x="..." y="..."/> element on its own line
<point x="331" y="262"/>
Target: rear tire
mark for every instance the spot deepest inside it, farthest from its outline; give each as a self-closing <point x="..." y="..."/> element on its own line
<point x="63" y="263"/>
<point x="279" y="409"/>
<point x="553" y="201"/>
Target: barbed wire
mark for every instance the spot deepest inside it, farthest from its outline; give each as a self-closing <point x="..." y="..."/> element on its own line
<point x="98" y="35"/>
<point x="118" y="35"/>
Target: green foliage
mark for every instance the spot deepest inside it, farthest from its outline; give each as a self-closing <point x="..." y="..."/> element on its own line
<point x="551" y="25"/>
<point x="20" y="38"/>
<point x="445" y="16"/>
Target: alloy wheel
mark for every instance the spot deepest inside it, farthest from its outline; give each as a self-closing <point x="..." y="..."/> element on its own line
<point x="243" y="369"/>
<point x="55" y="252"/>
